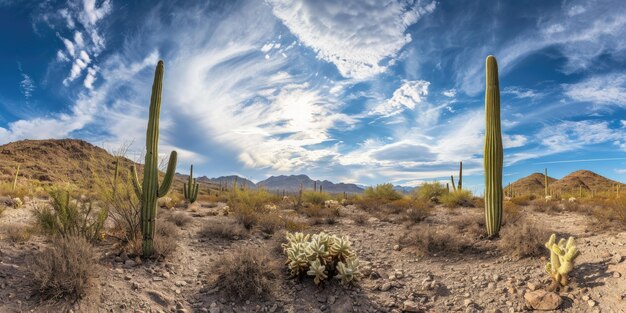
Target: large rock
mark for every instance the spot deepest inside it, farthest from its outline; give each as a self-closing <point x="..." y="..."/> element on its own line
<point x="543" y="300"/>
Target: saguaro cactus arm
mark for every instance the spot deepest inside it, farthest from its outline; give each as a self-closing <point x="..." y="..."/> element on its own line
<point x="164" y="188"/>
<point x="135" y="179"/>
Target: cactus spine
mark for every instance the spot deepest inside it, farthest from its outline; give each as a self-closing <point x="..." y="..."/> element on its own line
<point x="17" y="172"/>
<point x="150" y="190"/>
<point x="190" y="188"/>
<point x="493" y="155"/>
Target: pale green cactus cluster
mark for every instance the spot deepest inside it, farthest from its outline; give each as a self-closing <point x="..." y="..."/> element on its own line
<point x="562" y="256"/>
<point x="321" y="256"/>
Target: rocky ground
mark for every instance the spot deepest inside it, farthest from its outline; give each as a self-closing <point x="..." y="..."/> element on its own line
<point x="396" y="278"/>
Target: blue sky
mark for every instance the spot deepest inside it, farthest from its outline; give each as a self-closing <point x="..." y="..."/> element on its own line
<point x="365" y="91"/>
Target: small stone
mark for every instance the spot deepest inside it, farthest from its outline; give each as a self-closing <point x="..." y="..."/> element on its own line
<point x="592" y="303"/>
<point x="616" y="258"/>
<point x="396" y="248"/>
<point x="531" y="286"/>
<point x="586" y="298"/>
<point x="213" y="308"/>
<point x="468" y="302"/>
<point x="128" y="277"/>
<point x="411" y="306"/>
<point x="543" y="300"/>
<point x="386" y="286"/>
<point x="617" y="275"/>
<point x="129" y="263"/>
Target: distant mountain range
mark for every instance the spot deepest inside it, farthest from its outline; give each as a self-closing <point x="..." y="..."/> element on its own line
<point x="572" y="183"/>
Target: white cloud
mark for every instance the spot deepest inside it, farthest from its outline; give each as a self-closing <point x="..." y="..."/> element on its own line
<point x="576" y="10"/>
<point x="623" y="123"/>
<point x="360" y="37"/>
<point x="621" y="171"/>
<point x="521" y="93"/>
<point x="571" y="135"/>
<point x="69" y="45"/>
<point x="28" y="86"/>
<point x="78" y="39"/>
<point x="90" y="77"/>
<point x="61" y="57"/>
<point x="451" y="93"/>
<point x="608" y="89"/>
<point x="409" y="95"/>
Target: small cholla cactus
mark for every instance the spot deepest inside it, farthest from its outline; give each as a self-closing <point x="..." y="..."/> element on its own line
<point x="321" y="256"/>
<point x="562" y="256"/>
<point x="17" y="202"/>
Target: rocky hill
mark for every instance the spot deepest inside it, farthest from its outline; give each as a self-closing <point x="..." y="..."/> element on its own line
<point x="72" y="161"/>
<point x="588" y="180"/>
<point x="228" y="181"/>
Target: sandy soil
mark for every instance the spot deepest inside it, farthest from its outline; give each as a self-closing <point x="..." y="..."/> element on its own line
<point x="481" y="279"/>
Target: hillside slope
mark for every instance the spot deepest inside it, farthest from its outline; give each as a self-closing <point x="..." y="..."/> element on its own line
<point x="532" y="184"/>
<point x="292" y="183"/>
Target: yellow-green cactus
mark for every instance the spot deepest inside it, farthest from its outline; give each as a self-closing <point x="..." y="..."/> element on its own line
<point x="318" y="271"/>
<point x="562" y="256"/>
<point x="348" y="271"/>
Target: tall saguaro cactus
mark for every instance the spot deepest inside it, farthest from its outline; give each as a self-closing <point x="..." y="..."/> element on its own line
<point x="460" y="176"/>
<point x="493" y="155"/>
<point x="150" y="190"/>
<point x="545" y="184"/>
<point x="190" y="188"/>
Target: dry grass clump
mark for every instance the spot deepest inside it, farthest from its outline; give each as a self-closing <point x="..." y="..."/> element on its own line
<point x="460" y="198"/>
<point x="293" y="224"/>
<point x="430" y="240"/>
<point x="223" y="230"/>
<point x="612" y="212"/>
<point x="270" y="223"/>
<point x="522" y="200"/>
<point x="64" y="270"/>
<point x="523" y="239"/>
<point x="315" y="198"/>
<point x="544" y="206"/>
<point x="179" y="218"/>
<point x="374" y="198"/>
<point x="417" y="212"/>
<point x="253" y="265"/>
<point x="360" y="219"/>
<point x="165" y="239"/>
<point x="471" y="225"/>
<point x="213" y="197"/>
<point x="18" y="232"/>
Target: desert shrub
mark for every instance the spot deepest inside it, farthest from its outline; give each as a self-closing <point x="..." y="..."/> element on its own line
<point x="66" y="217"/>
<point x="512" y="212"/>
<point x="165" y="239"/>
<point x="431" y="191"/>
<point x="360" y="219"/>
<point x="398" y="206"/>
<point x="523" y="239"/>
<point x="293" y="224"/>
<point x="64" y="270"/>
<point x="417" y="212"/>
<point x="18" y="232"/>
<point x="223" y="230"/>
<point x="321" y="256"/>
<point x="179" y="218"/>
<point x="521" y="200"/>
<point x="124" y="209"/>
<point x="471" y="225"/>
<point x="270" y="223"/>
<point x="382" y="193"/>
<point x="252" y="264"/>
<point x="314" y="197"/>
<point x="544" y="206"/>
<point x="2" y="210"/>
<point x="429" y="240"/>
<point x="246" y="216"/>
<point x="478" y="202"/>
<point x="460" y="198"/>
<point x="613" y="211"/>
<point x="318" y="211"/>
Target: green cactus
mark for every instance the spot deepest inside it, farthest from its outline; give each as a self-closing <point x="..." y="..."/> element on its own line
<point x="453" y="185"/>
<point x="460" y="176"/>
<point x="321" y="256"/>
<point x="17" y="171"/>
<point x="493" y="155"/>
<point x="545" y="184"/>
<point x="150" y="190"/>
<point x="562" y="256"/>
<point x="190" y="188"/>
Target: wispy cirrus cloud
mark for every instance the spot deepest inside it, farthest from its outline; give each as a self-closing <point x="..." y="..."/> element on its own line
<point x="361" y="38"/>
<point x="606" y="89"/>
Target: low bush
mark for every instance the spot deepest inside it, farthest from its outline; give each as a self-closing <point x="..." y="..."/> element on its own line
<point x="64" y="270"/>
<point x="18" y="232"/>
<point x="179" y="218"/>
<point x="66" y="217"/>
<point x="315" y="198"/>
<point x="460" y="198"/>
<point x="360" y="219"/>
<point x="223" y="230"/>
<point x="417" y="212"/>
<point x="522" y="200"/>
<point x="165" y="239"/>
<point x="429" y="240"/>
<point x="471" y="225"/>
<point x="431" y="191"/>
<point x="254" y="265"/>
<point x="523" y="239"/>
<point x="543" y="206"/>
